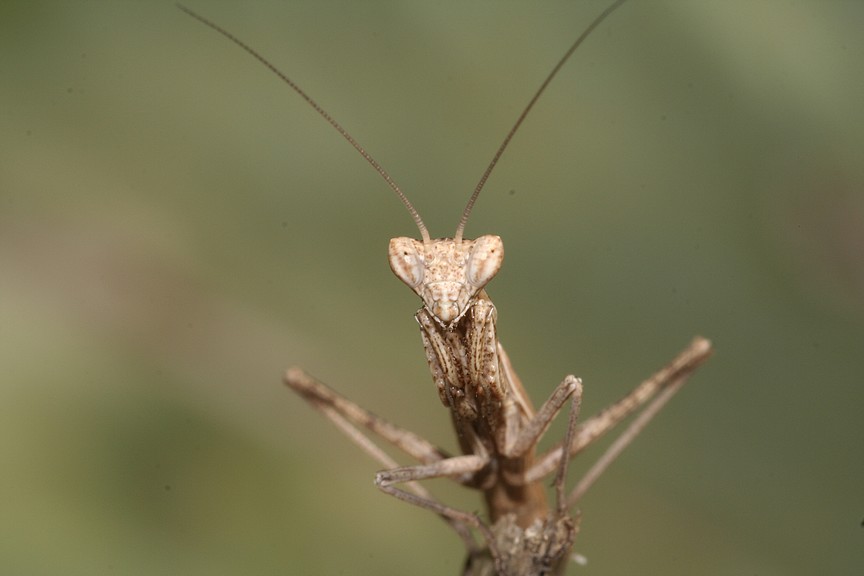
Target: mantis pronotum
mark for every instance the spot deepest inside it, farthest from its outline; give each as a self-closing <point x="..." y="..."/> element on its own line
<point x="496" y="424"/>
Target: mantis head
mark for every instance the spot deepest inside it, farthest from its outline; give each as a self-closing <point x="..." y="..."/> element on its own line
<point x="446" y="273"/>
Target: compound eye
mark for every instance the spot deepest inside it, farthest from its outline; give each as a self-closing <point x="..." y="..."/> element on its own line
<point x="484" y="260"/>
<point x="407" y="260"/>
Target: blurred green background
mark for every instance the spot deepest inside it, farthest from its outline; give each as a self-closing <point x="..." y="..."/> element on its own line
<point x="176" y="228"/>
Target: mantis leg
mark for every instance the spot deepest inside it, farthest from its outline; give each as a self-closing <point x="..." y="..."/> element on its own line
<point x="348" y="416"/>
<point x="666" y="382"/>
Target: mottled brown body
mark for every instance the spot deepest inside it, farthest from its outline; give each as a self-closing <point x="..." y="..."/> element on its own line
<point x="495" y="422"/>
<point x="486" y="400"/>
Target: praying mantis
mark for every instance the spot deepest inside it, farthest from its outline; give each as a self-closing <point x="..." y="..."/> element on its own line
<point x="496" y="424"/>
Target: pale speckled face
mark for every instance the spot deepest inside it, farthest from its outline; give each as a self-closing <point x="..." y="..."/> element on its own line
<point x="446" y="274"/>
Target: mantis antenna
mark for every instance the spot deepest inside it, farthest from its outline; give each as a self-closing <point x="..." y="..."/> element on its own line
<point x="424" y="233"/>
<point x="465" y="213"/>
